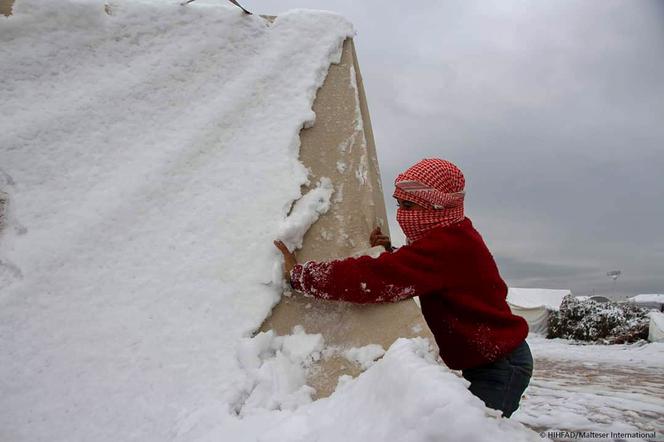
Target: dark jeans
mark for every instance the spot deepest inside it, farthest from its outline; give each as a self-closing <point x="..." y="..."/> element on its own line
<point x="501" y="383"/>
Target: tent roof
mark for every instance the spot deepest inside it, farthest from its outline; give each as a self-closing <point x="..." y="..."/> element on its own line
<point x="535" y="298"/>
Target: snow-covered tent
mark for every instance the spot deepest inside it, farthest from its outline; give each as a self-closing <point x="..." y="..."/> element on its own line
<point x="154" y="151"/>
<point x="656" y="330"/>
<point x="534" y="305"/>
<point x="652" y="300"/>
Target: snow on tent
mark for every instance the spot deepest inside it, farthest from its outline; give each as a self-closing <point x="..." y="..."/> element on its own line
<point x="534" y="305"/>
<point x="150" y="155"/>
<point x="653" y="301"/>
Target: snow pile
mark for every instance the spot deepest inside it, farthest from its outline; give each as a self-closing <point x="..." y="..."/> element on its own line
<point x="304" y="213"/>
<point x="606" y="322"/>
<point x="277" y="367"/>
<point x="405" y="396"/>
<point x="365" y="356"/>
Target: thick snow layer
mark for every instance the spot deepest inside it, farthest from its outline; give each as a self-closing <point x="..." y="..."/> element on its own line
<point x="405" y="396"/>
<point x="535" y="298"/>
<point x="149" y="158"/>
<point x="277" y="368"/>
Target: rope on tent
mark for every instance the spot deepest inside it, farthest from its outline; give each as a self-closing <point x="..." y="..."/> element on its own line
<point x="232" y="1"/>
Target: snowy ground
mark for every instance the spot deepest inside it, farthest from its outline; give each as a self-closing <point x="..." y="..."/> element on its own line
<point x="599" y="388"/>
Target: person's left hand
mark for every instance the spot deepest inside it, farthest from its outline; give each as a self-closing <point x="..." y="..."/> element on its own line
<point x="378" y="239"/>
<point x="289" y="258"/>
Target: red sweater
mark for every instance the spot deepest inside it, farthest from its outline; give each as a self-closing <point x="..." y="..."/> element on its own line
<point x="454" y="274"/>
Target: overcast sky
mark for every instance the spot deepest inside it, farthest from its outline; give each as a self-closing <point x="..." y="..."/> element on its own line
<point x="554" y="110"/>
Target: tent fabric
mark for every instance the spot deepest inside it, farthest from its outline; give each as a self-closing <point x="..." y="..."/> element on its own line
<point x="537" y="318"/>
<point x="534" y="305"/>
<point x="656" y="330"/>
<point x="535" y="298"/>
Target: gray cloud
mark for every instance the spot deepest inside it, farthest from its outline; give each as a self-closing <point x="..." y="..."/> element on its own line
<point x="554" y="110"/>
<point x="519" y="271"/>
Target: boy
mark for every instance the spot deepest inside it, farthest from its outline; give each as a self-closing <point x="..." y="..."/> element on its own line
<point x="446" y="264"/>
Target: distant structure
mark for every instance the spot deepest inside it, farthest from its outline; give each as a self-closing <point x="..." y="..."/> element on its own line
<point x="598" y="298"/>
<point x="535" y="305"/>
<point x="613" y="274"/>
<point x="651" y="301"/>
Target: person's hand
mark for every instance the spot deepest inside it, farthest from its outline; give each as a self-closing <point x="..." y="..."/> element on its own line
<point x="289" y="258"/>
<point x="378" y="239"/>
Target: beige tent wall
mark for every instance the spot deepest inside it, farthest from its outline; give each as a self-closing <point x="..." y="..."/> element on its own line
<point x="340" y="146"/>
<point x="6" y="7"/>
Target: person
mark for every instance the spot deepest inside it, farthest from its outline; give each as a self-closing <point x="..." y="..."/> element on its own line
<point x="447" y="264"/>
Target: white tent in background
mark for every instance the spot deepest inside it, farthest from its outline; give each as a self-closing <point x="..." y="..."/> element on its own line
<point x="653" y="301"/>
<point x="656" y="330"/>
<point x="647" y="298"/>
<point x="534" y="305"/>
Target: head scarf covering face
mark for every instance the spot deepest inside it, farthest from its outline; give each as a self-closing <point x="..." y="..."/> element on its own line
<point x="438" y="186"/>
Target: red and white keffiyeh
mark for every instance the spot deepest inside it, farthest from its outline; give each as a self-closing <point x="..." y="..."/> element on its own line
<point x="438" y="186"/>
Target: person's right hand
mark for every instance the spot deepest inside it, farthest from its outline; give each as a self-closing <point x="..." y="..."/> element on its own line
<point x="378" y="239"/>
